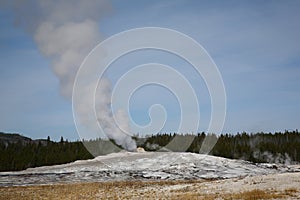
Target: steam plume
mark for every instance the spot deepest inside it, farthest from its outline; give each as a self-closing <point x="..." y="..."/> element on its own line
<point x="65" y="32"/>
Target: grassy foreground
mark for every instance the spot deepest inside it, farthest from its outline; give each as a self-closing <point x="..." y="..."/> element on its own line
<point x="138" y="190"/>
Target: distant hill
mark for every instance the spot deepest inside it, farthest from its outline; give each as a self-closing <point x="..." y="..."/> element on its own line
<point x="15" y="138"/>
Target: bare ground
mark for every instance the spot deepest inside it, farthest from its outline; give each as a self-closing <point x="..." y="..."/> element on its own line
<point x="276" y="186"/>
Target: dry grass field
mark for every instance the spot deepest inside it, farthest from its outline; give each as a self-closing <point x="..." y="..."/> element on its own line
<point x="280" y="186"/>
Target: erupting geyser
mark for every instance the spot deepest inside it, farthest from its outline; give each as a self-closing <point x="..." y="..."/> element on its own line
<point x="65" y="33"/>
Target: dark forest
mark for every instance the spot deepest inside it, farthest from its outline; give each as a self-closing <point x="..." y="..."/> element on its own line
<point x="18" y="152"/>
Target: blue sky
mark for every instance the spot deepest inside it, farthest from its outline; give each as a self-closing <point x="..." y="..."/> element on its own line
<point x="255" y="45"/>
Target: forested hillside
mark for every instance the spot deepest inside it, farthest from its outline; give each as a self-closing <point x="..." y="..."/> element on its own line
<point x="18" y="152"/>
<point x="260" y="147"/>
<point x="22" y="153"/>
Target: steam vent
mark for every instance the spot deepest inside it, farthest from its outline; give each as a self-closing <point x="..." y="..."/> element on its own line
<point x="140" y="150"/>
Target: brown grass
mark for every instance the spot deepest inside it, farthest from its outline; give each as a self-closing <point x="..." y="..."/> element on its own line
<point x="256" y="194"/>
<point x="190" y="190"/>
<point x="103" y="190"/>
<point x="246" y="195"/>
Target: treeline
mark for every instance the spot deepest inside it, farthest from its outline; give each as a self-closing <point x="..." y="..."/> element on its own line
<point x="260" y="147"/>
<point x="21" y="153"/>
<point x="19" y="156"/>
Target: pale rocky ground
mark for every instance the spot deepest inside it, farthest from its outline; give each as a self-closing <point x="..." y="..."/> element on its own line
<point x="155" y="175"/>
<point x="126" y="166"/>
<point x="277" y="182"/>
